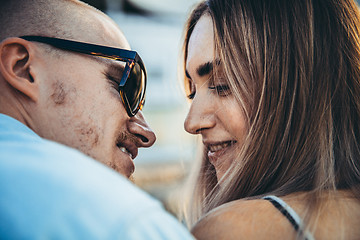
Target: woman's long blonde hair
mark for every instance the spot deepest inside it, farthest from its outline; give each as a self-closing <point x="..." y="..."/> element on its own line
<point x="294" y="66"/>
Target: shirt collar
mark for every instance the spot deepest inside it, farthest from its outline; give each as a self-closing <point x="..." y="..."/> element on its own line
<point x="11" y="124"/>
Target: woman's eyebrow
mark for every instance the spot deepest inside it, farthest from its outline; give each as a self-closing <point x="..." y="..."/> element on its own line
<point x="202" y="70"/>
<point x="206" y="68"/>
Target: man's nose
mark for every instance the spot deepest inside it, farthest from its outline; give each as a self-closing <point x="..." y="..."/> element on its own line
<point x="200" y="116"/>
<point x="141" y="130"/>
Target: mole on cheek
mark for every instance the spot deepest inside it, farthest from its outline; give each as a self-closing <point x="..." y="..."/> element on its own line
<point x="61" y="93"/>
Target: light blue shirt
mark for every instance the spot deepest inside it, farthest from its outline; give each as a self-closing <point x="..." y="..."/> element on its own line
<point x="50" y="191"/>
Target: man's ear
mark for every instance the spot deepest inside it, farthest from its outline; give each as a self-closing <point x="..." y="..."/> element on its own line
<point x="16" y="56"/>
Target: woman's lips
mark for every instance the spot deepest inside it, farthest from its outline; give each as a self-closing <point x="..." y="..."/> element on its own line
<point x="217" y="150"/>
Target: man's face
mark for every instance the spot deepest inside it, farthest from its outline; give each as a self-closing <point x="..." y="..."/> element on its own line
<point x="80" y="105"/>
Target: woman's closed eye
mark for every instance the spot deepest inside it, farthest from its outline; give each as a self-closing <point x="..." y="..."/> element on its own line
<point x="192" y="91"/>
<point x="191" y="95"/>
<point x="222" y="90"/>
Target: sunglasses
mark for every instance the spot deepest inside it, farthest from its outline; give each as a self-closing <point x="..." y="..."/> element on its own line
<point x="133" y="80"/>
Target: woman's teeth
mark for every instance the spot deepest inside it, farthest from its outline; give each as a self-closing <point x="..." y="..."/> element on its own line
<point x="217" y="147"/>
<point x="124" y="150"/>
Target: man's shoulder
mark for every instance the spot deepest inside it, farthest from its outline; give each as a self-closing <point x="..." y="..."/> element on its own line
<point x="46" y="179"/>
<point x="48" y="164"/>
<point x="50" y="189"/>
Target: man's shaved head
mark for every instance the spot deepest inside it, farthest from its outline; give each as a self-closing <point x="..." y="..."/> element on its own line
<point x="70" y="19"/>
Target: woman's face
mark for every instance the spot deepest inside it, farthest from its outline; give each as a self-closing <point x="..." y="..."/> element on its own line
<point x="214" y="112"/>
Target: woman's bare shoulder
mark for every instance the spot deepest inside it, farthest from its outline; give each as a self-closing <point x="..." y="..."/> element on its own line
<point x="259" y="219"/>
<point x="244" y="219"/>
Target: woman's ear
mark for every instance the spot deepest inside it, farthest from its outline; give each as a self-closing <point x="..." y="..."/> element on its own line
<point x="16" y="56"/>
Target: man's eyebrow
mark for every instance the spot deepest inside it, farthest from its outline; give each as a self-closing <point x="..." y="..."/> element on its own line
<point x="116" y="70"/>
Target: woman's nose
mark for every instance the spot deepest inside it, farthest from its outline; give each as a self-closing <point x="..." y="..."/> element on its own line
<point x="200" y="116"/>
<point x="141" y="130"/>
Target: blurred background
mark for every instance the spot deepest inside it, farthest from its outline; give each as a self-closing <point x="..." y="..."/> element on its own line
<point x="154" y="28"/>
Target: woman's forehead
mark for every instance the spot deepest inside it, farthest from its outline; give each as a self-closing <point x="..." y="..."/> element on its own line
<point x="201" y="45"/>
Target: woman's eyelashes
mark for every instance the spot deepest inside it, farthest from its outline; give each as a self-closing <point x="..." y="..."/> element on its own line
<point x="191" y="90"/>
<point x="191" y="95"/>
<point x="222" y="90"/>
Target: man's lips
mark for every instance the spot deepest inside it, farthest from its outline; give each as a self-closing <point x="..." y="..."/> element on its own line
<point x="124" y="150"/>
<point x="129" y="148"/>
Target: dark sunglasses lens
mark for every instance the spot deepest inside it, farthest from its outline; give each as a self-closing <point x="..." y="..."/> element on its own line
<point x="134" y="88"/>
